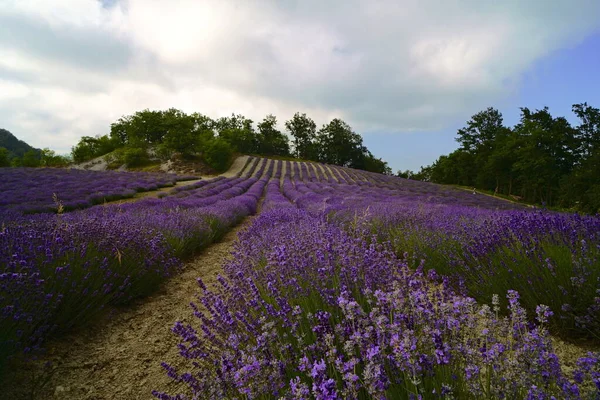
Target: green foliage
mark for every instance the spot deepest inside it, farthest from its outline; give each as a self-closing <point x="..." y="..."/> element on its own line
<point x="31" y="158"/>
<point x="304" y="131"/>
<point x="339" y="145"/>
<point x="116" y="158"/>
<point x="271" y="142"/>
<point x="173" y="131"/>
<point x="237" y="130"/>
<point x="203" y="130"/>
<point x="581" y="189"/>
<point x="16" y="162"/>
<point x="368" y="162"/>
<point x="458" y="166"/>
<point x="91" y="147"/>
<point x="589" y="129"/>
<point x="542" y="159"/>
<point x="135" y="157"/>
<point x="4" y="157"/>
<point x="218" y="154"/>
<point x="179" y="133"/>
<point x="15" y="147"/>
<point x="49" y="158"/>
<point x="142" y="127"/>
<point x="163" y="152"/>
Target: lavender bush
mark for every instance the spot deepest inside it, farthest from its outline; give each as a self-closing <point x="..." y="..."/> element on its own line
<point x="308" y="310"/>
<point x="31" y="190"/>
<point x="61" y="270"/>
<point x="348" y="285"/>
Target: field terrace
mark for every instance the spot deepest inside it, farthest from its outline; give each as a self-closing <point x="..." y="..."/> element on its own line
<point x="347" y="285"/>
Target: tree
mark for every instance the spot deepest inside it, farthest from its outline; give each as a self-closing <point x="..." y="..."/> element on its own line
<point x="588" y="130"/>
<point x="91" y="147"/>
<point x="140" y="129"/>
<point x="479" y="138"/>
<point x="545" y="154"/>
<point x="4" y="158"/>
<point x="372" y="164"/>
<point x="304" y="131"/>
<point x="237" y="130"/>
<point x="179" y="134"/>
<point x="135" y="157"/>
<point x="481" y="130"/>
<point x="581" y="188"/>
<point x="203" y="130"/>
<point x="218" y="154"/>
<point x="49" y="158"/>
<point x="339" y="145"/>
<point x="31" y="159"/>
<point x="271" y="142"/>
<point x="499" y="164"/>
<point x="424" y="174"/>
<point x="455" y="168"/>
<point x="407" y="174"/>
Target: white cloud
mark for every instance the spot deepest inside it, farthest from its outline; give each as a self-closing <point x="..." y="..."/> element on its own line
<point x="70" y="67"/>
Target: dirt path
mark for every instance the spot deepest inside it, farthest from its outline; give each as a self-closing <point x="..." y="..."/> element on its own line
<point x="491" y="195"/>
<point x="326" y="171"/>
<point x="283" y="172"/>
<point x="119" y="357"/>
<point x="236" y="167"/>
<point x="155" y="193"/>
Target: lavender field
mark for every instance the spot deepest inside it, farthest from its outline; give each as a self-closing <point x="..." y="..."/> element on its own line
<point x="346" y="285"/>
<point x="32" y="190"/>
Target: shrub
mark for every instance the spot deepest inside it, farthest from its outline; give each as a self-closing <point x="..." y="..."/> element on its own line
<point x="163" y="152"/>
<point x="135" y="157"/>
<point x="218" y="154"/>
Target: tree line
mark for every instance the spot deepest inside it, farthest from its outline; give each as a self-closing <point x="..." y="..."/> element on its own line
<point x="17" y="153"/>
<point x="542" y="159"/>
<point x="33" y="158"/>
<point x="216" y="140"/>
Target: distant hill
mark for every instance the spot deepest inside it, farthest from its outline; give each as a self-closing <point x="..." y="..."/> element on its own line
<point x="15" y="147"/>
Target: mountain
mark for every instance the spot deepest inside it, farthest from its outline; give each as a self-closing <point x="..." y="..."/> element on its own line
<point x="15" y="147"/>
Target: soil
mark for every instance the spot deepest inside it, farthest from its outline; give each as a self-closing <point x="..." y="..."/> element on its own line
<point x="236" y="167"/>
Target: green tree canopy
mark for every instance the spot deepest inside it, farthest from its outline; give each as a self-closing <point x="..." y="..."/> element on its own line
<point x="271" y="142"/>
<point x="49" y="158"/>
<point x="31" y="158"/>
<point x="237" y="130"/>
<point x="91" y="147"/>
<point x="4" y="157"/>
<point x="339" y="145"/>
<point x="541" y="159"/>
<point x="304" y="131"/>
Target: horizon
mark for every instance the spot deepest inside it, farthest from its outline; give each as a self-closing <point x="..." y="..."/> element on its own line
<point x="406" y="82"/>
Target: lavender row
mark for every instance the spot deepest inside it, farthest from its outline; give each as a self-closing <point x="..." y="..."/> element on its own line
<point x="34" y="190"/>
<point x="550" y="258"/>
<point x="62" y="270"/>
<point x="197" y="196"/>
<point x="307" y="309"/>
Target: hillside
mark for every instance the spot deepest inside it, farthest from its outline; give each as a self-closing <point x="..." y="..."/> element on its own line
<point x="15" y="147"/>
<point x="176" y="164"/>
<point x="327" y="260"/>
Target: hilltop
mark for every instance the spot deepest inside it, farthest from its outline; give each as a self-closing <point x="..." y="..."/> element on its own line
<point x="15" y="146"/>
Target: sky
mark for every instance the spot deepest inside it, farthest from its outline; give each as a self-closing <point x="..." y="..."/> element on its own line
<point x="406" y="74"/>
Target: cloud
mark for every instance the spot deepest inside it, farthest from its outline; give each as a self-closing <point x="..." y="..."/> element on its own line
<point x="70" y="67"/>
